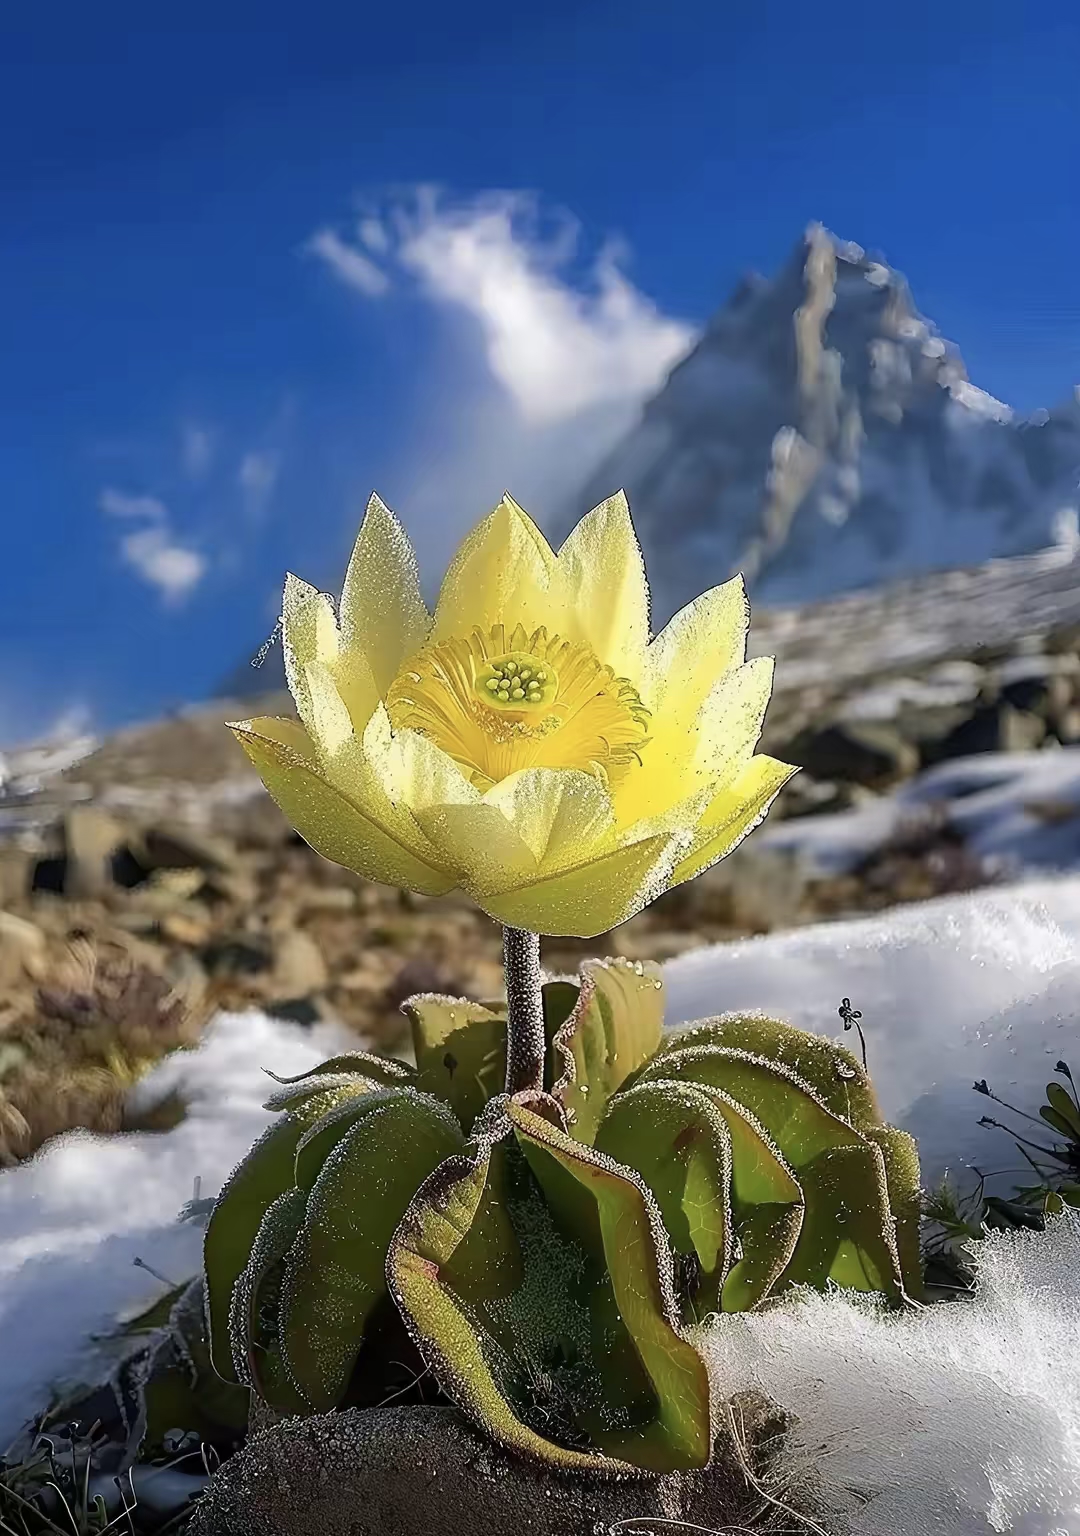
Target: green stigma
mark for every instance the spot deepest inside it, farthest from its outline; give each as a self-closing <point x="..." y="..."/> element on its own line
<point x="517" y="681"/>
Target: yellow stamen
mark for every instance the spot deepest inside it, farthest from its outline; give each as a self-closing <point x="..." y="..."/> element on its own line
<point x="498" y="703"/>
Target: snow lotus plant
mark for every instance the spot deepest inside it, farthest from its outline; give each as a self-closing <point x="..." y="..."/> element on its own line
<point x="548" y="1250"/>
<point x="527" y="742"/>
<point x="547" y="1202"/>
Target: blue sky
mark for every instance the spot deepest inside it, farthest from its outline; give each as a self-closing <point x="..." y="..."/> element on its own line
<point x="204" y="369"/>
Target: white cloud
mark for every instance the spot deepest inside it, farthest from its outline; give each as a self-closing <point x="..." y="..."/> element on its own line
<point x="196" y="450"/>
<point x="351" y="265"/>
<point x="554" y="347"/>
<point x="152" y="551"/>
<point x="119" y="504"/>
<point x="257" y="476"/>
<point x="560" y="350"/>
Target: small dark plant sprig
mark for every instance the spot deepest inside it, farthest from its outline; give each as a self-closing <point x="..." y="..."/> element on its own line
<point x="1056" y="1165"/>
<point x="851" y="1017"/>
<point x="54" y="1489"/>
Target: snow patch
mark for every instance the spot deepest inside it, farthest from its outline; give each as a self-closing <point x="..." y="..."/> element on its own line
<point x="75" y="1217"/>
<point x="960" y="1420"/>
<point x="966" y="987"/>
<point x="1018" y="811"/>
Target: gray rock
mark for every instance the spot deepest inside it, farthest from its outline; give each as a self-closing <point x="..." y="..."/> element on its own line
<point x="873" y="755"/>
<point x="997" y="727"/>
<point x="424" y="1471"/>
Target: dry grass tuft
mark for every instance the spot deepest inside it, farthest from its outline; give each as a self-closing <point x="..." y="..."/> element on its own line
<point x="72" y="1058"/>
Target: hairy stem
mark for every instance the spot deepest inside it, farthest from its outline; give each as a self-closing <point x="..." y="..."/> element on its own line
<point x="525" y="1043"/>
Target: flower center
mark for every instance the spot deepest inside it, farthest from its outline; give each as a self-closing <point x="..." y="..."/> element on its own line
<point x="517" y="682"/>
<point x="499" y="702"/>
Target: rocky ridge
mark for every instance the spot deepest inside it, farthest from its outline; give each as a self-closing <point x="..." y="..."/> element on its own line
<point x="822" y="436"/>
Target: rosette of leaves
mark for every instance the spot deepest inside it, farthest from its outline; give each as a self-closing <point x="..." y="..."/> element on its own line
<point x="545" y="1254"/>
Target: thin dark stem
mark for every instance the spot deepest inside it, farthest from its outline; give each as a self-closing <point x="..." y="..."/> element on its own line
<point x="525" y="1042"/>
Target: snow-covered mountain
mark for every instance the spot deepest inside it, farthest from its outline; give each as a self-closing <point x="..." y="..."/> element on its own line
<point x="822" y="436"/>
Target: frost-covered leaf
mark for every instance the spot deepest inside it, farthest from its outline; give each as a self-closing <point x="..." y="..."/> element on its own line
<point x="613" y="1028"/>
<point x="673" y="1135"/>
<point x="255" y="1314"/>
<point x="381" y="1069"/>
<point x="847" y="1231"/>
<point x="335" y="1271"/>
<point x="460" y="1052"/>
<point x="454" y="1256"/>
<point x="656" y="1409"/>
<point x="837" y="1077"/>
<point x="265" y="1173"/>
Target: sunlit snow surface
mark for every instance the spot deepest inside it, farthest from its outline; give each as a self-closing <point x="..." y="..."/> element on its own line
<point x="962" y="1422"/>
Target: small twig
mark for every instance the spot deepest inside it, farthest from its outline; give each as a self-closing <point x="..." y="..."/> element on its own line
<point x="150" y="1270"/>
<point x="406" y="1388"/>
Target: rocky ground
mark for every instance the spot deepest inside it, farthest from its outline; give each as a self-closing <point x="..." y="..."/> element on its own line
<point x="152" y="882"/>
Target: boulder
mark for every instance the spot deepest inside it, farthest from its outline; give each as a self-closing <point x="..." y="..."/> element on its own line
<point x="873" y="755"/>
<point x="996" y="727"/>
<point x="401" y="1471"/>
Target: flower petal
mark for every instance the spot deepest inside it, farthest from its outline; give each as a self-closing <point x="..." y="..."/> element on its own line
<point x="723" y="729"/>
<point x="505" y="572"/>
<point x="557" y="812"/>
<point x="603" y="576"/>
<point x="382" y="613"/>
<point x="309" y="633"/>
<point x="729" y="722"/>
<point x="735" y="810"/>
<point x="324" y="817"/>
<point x="472" y="837"/>
<point x="588" y="898"/>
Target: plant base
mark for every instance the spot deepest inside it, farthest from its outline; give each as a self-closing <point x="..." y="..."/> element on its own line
<point x="399" y="1471"/>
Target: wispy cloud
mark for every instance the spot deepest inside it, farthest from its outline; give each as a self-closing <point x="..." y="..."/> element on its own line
<point x="196" y="450"/>
<point x="152" y="549"/>
<point x="569" y="346"/>
<point x="350" y="264"/>
<point x="257" y="476"/>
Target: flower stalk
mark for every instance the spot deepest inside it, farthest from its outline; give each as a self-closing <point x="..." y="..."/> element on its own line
<point x="525" y="1041"/>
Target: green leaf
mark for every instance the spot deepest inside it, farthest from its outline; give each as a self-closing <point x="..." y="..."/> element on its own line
<point x="381" y="1069"/>
<point x="254" y="1318"/>
<point x="903" y="1179"/>
<point x="319" y="1140"/>
<point x="559" y="996"/>
<point x="837" y="1077"/>
<point x="847" y="1233"/>
<point x="436" y="1269"/>
<point x="613" y="1028"/>
<point x="460" y="1052"/>
<point x="1056" y="1120"/>
<point x="336" y="1086"/>
<point x="265" y="1173"/>
<point x="335" y="1271"/>
<point x="648" y="1366"/>
<point x="674" y="1137"/>
<point x="1062" y="1101"/>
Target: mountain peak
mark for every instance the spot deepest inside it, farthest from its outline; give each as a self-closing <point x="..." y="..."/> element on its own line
<point x="823" y="435"/>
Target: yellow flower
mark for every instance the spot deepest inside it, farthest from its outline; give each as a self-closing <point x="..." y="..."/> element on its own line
<point x="527" y="743"/>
